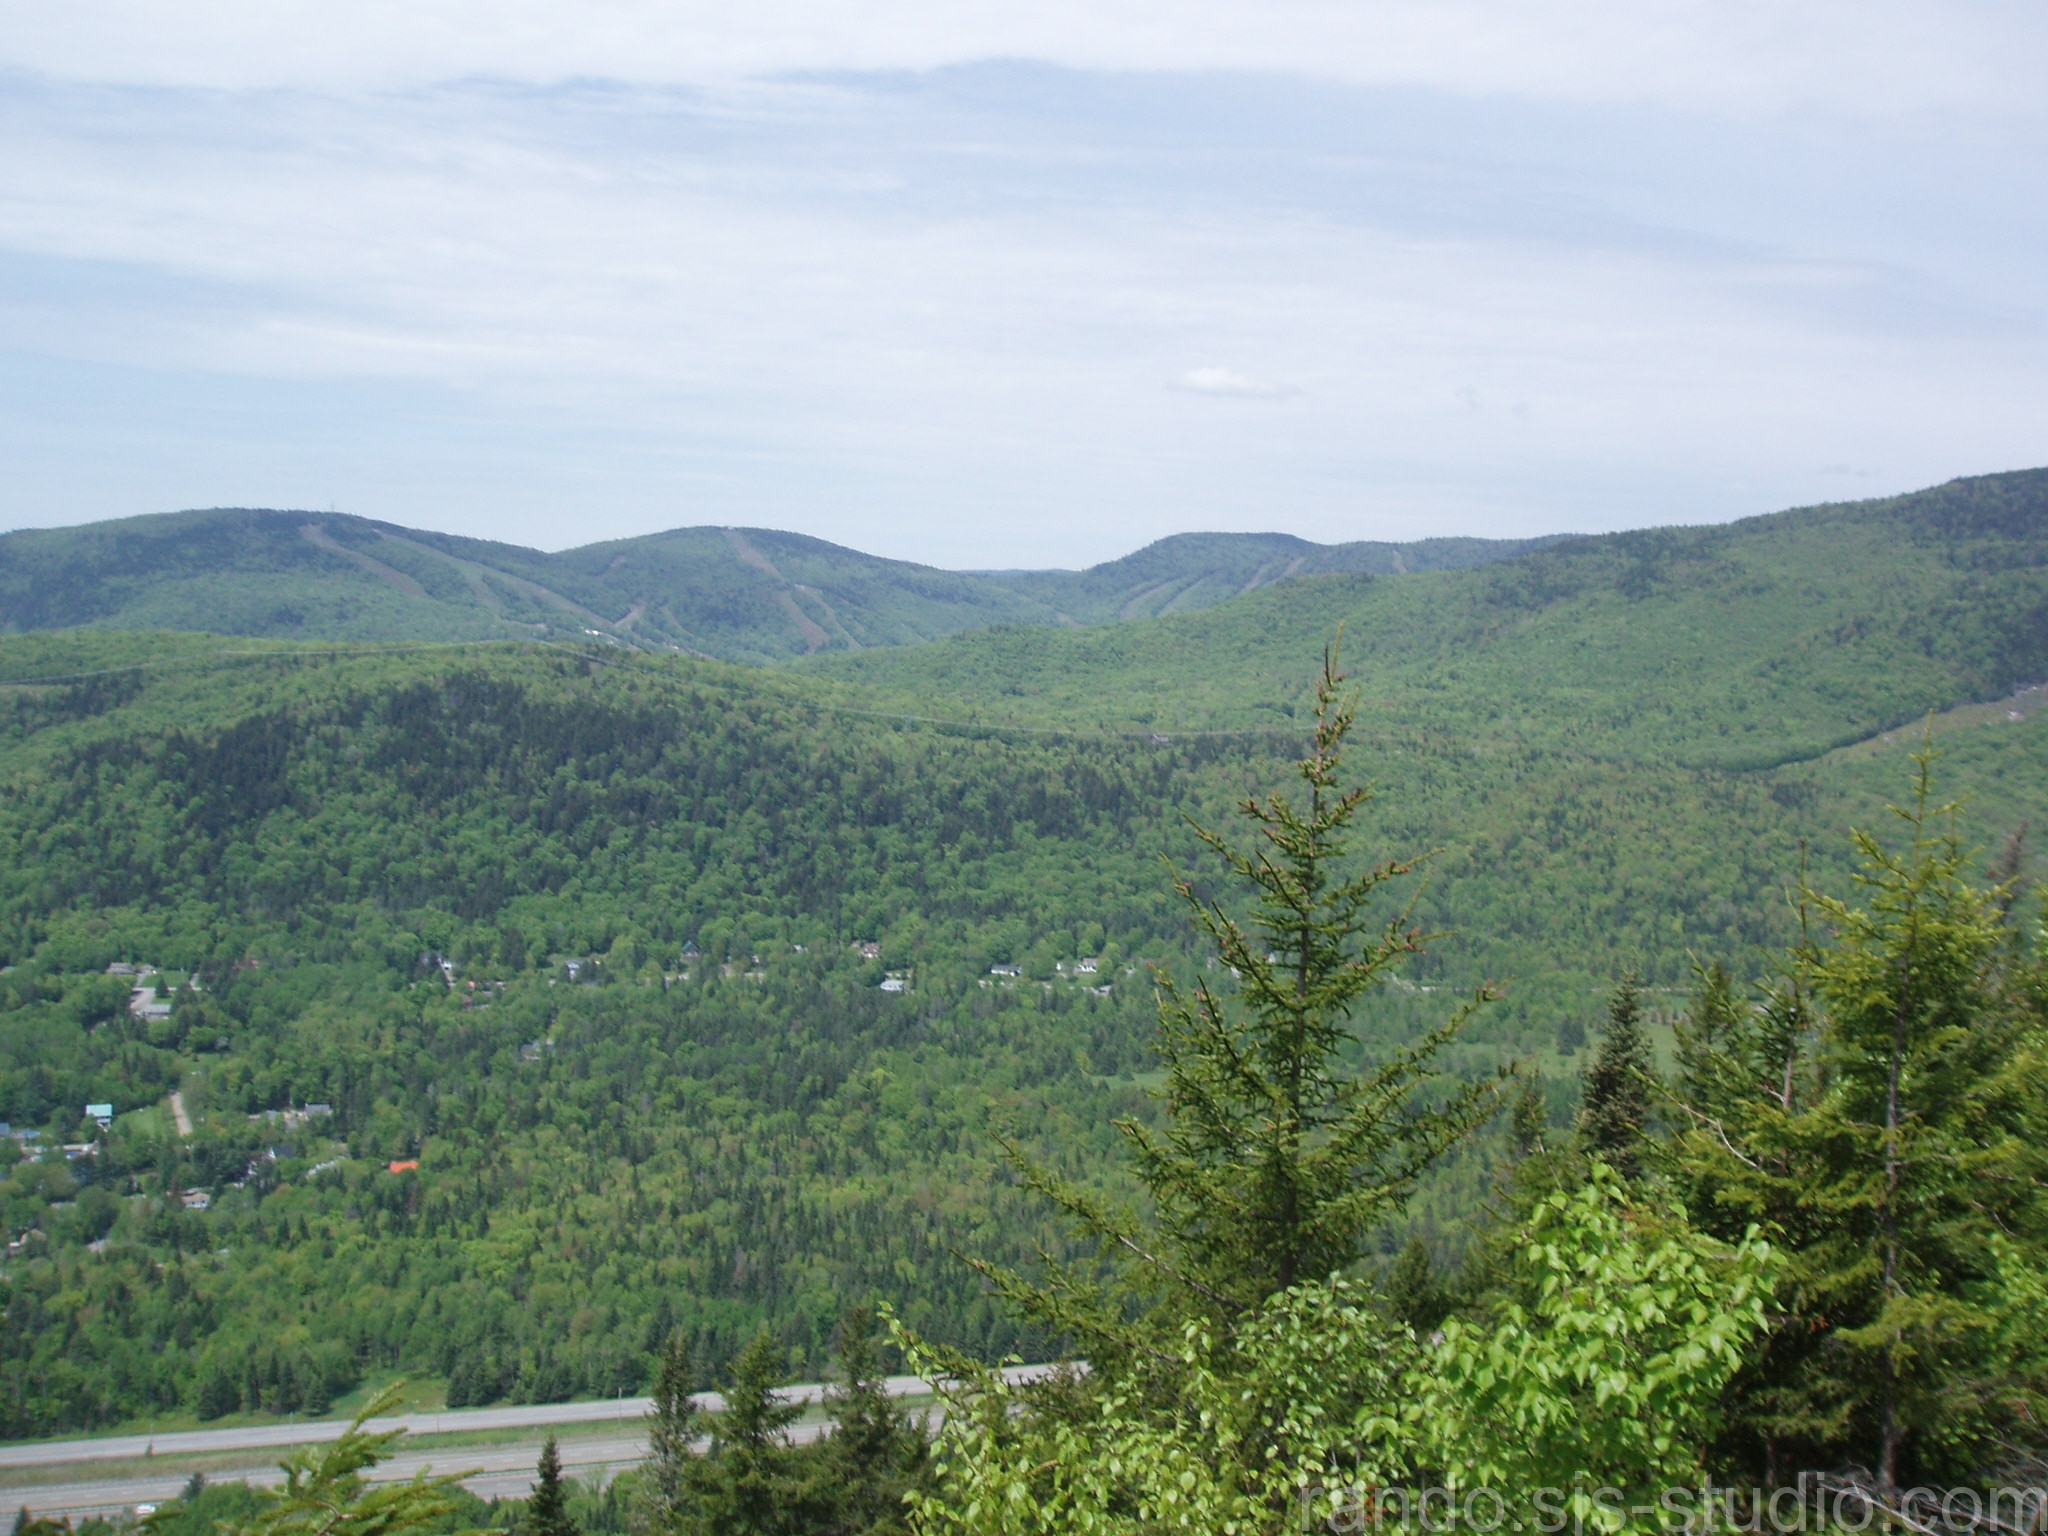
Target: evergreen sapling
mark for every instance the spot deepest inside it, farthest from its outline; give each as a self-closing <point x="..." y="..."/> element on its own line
<point x="547" y="1512"/>
<point x="1614" y="1113"/>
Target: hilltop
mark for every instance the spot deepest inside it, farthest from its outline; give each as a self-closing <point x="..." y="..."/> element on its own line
<point x="735" y="594"/>
<point x="1190" y="571"/>
<point x="1769" y="640"/>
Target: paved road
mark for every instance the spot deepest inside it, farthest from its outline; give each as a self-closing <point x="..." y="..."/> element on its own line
<point x="500" y="1471"/>
<point x="504" y="1470"/>
<point x="49" y="1453"/>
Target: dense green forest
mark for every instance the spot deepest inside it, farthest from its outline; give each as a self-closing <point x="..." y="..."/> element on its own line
<point x="1807" y="1255"/>
<point x="375" y="870"/>
<point x="1747" y="645"/>
<point x="696" y="991"/>
<point x="1797" y="1279"/>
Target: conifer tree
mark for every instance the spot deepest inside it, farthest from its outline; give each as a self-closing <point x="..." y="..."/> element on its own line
<point x="1746" y="1071"/>
<point x="750" y="1482"/>
<point x="1882" y="1110"/>
<point x="547" y="1512"/>
<point x="1614" y="1111"/>
<point x="672" y="1430"/>
<point x="1413" y="1292"/>
<point x="874" y="1455"/>
<point x="1571" y="1036"/>
<point x="1541" y="1165"/>
<point x="326" y="1493"/>
<point x="1931" y="1099"/>
<point x="1529" y="1120"/>
<point x="1278" y="1157"/>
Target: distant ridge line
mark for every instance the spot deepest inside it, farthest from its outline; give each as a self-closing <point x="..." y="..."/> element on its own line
<point x="752" y="595"/>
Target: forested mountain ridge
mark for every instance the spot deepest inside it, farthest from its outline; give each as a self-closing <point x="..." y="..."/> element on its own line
<point x="760" y="596"/>
<point x="1188" y="571"/>
<point x="1769" y="640"/>
<point x="739" y="594"/>
<point x="378" y="863"/>
<point x="746" y="595"/>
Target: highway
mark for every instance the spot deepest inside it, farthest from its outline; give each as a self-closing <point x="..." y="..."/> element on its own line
<point x="207" y="1442"/>
<point x="500" y="1471"/>
<point x="503" y="1469"/>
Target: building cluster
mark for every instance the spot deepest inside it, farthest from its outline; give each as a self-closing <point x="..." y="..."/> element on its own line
<point x="143" y="1002"/>
<point x="1070" y="969"/>
<point x="289" y="1117"/>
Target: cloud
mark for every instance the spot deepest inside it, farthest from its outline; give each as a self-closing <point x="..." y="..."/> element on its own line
<point x="1225" y="381"/>
<point x="931" y="315"/>
<point x="1861" y="58"/>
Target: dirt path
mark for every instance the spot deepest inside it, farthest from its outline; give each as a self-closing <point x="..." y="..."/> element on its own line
<point x="475" y="573"/>
<point x="319" y="538"/>
<point x="815" y="638"/>
<point x="178" y="1113"/>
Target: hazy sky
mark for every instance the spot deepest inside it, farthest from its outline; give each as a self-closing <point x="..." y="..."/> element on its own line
<point x="1017" y="284"/>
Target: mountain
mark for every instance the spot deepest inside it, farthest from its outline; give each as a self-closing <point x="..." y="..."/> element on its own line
<point x="1768" y="640"/>
<point x="742" y="594"/>
<point x="377" y="864"/>
<point x="364" y="872"/>
<point x="737" y="594"/>
<point x="1198" y="570"/>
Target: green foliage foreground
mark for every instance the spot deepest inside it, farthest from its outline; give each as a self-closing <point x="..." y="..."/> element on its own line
<point x="1861" y="1283"/>
<point x="1238" y="1379"/>
<point x="1589" y="1387"/>
<point x="1884" y="1107"/>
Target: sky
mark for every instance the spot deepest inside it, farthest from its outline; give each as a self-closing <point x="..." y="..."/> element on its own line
<point x="1017" y="285"/>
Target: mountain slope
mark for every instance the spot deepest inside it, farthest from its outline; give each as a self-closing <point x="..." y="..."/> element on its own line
<point x="378" y="862"/>
<point x="742" y="595"/>
<point x="751" y="595"/>
<point x="1198" y="570"/>
<point x="1766" y="640"/>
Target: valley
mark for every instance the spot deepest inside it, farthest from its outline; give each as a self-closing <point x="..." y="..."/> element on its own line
<point x="645" y="991"/>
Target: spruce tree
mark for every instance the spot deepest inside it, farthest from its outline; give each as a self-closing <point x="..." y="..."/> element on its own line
<point x="1278" y="1156"/>
<point x="1933" y="1116"/>
<point x="1529" y="1119"/>
<point x="547" y="1512"/>
<point x="1882" y="1110"/>
<point x="672" y="1430"/>
<point x="1413" y="1292"/>
<point x="750" y="1482"/>
<point x="1614" y="1112"/>
<point x="326" y="1488"/>
<point x="874" y="1455"/>
<point x="1747" y="1069"/>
